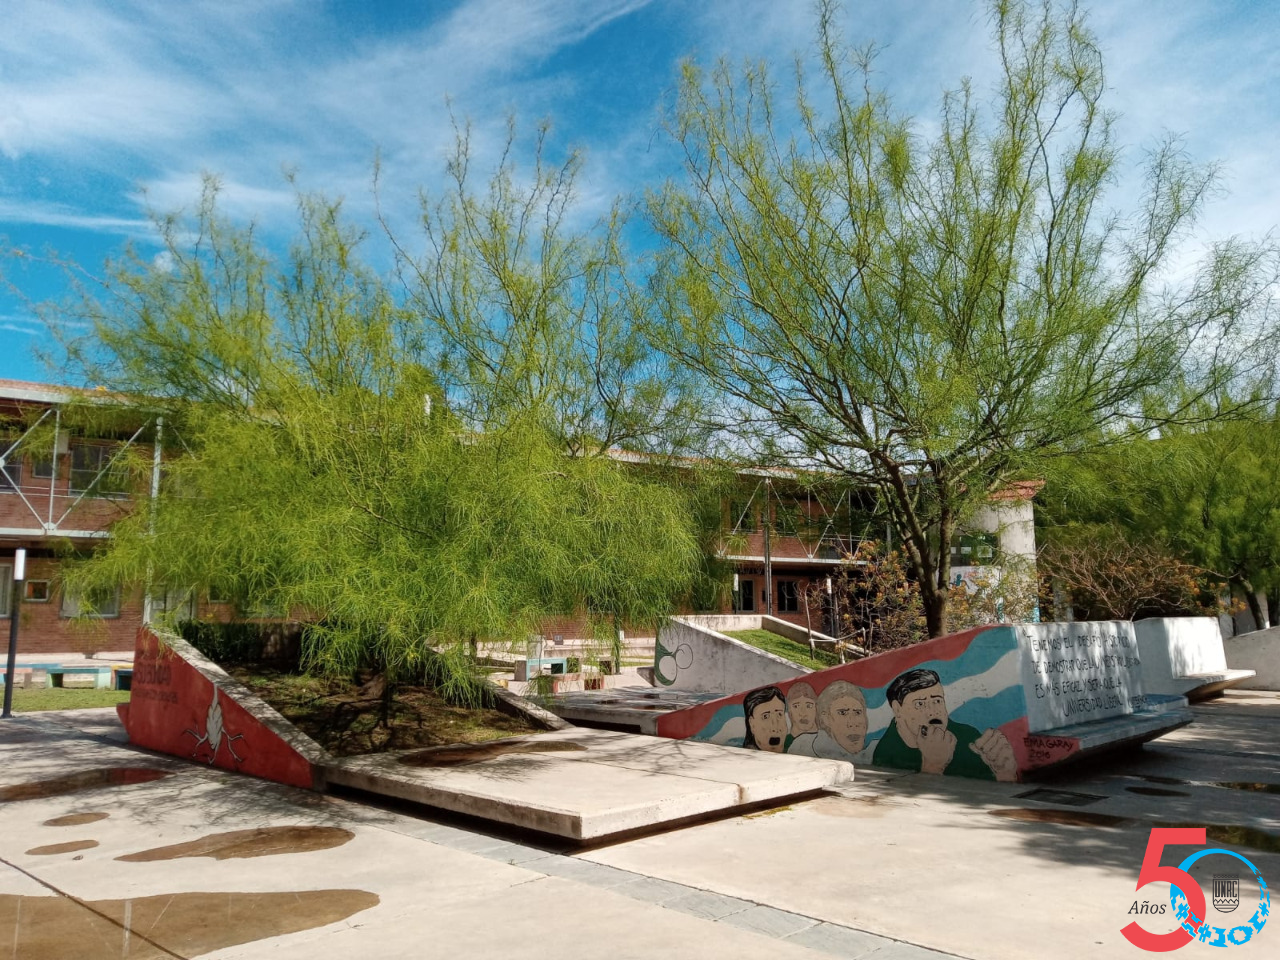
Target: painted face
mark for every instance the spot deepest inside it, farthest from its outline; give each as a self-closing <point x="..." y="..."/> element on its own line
<point x="803" y="710"/>
<point x="847" y="723"/>
<point x="919" y="709"/>
<point x="769" y="725"/>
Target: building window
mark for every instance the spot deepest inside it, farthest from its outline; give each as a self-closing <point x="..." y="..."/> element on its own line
<point x="42" y="467"/>
<point x="37" y="591"/>
<point x="180" y="601"/>
<point x="11" y="474"/>
<point x="93" y="472"/>
<point x="788" y="596"/>
<point x="6" y="587"/>
<point x="101" y="602"/>
<point x="973" y="549"/>
<point x="742" y="516"/>
<point x="746" y="596"/>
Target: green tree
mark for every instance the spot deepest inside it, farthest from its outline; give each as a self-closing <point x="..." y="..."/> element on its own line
<point x="324" y="457"/>
<point x="1208" y="495"/>
<point x="935" y="315"/>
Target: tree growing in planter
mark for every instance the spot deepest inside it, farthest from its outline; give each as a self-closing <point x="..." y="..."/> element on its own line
<point x="412" y="472"/>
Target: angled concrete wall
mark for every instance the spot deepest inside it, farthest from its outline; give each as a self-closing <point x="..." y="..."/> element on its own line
<point x="184" y="704"/>
<point x="1260" y="652"/>
<point x="991" y="703"/>
<point x="691" y="655"/>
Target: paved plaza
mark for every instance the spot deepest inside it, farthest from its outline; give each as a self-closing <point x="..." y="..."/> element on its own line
<point x="112" y="852"/>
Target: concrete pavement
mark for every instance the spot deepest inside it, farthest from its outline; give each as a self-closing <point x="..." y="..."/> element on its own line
<point x="892" y="867"/>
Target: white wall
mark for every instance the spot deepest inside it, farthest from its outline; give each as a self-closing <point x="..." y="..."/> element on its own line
<point x="702" y="659"/>
<point x="1258" y="651"/>
<point x="1013" y="521"/>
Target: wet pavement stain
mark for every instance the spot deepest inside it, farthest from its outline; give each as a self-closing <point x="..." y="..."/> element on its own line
<point x="84" y="780"/>
<point x="855" y="807"/>
<point x="1250" y="787"/>
<point x="1156" y="792"/>
<point x="1224" y="784"/>
<point x="71" y="846"/>
<point x="475" y="753"/>
<point x="1068" y="818"/>
<point x="165" y="926"/>
<point x="75" y="819"/>
<point x="1235" y="836"/>
<point x="1230" y="834"/>
<point x="244" y="844"/>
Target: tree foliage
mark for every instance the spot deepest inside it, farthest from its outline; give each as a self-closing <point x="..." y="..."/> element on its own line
<point x="934" y="315"/>
<point x="1208" y="497"/>
<point x="416" y="466"/>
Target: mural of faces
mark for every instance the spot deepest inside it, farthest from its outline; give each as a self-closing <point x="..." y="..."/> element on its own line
<point x="842" y="713"/>
<point x="918" y="712"/>
<point x="802" y="708"/>
<point x="766" y="713"/>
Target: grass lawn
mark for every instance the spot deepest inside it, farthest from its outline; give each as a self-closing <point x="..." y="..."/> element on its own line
<point x="789" y="649"/>
<point x="56" y="698"/>
<point x="345" y="719"/>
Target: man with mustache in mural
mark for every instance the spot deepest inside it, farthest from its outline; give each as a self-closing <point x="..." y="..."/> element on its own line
<point x="923" y="736"/>
<point x="841" y="712"/>
<point x="766" y="714"/>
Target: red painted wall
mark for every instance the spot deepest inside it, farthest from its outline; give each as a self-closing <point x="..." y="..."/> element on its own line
<point x="171" y="710"/>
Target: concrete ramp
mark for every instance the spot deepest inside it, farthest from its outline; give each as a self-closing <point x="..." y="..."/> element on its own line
<point x="993" y="703"/>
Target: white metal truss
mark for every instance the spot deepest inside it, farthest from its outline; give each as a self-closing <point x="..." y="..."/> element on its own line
<point x="50" y="521"/>
<point x="828" y="533"/>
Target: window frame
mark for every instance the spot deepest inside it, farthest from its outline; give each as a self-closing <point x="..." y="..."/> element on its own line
<point x="101" y="483"/>
<point x="69" y="608"/>
<point x="788" y="596"/>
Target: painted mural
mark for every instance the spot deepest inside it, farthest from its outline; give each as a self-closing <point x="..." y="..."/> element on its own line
<point x="177" y="707"/>
<point x="954" y="705"/>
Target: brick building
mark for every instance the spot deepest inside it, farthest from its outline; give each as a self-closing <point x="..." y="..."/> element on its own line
<point x="62" y="486"/>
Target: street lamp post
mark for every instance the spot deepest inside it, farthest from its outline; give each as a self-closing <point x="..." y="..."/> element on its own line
<point x="11" y="666"/>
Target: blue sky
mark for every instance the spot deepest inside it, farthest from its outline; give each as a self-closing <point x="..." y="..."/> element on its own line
<point x="108" y="110"/>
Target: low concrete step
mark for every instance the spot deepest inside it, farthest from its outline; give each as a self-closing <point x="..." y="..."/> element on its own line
<point x="585" y="785"/>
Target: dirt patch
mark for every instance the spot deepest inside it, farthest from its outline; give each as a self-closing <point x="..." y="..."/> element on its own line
<point x="75" y="782"/>
<point x="346" y="718"/>
<point x="75" y="819"/>
<point x="165" y="926"/>
<point x="243" y="844"/>
<point x="462" y="755"/>
<point x="71" y="846"/>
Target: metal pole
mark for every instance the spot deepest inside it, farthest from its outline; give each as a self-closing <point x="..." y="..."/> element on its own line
<point x="768" y="559"/>
<point x="148" y="604"/>
<point x="11" y="665"/>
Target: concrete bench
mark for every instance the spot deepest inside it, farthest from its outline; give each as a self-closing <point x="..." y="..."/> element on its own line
<point x="994" y="703"/>
<point x="1185" y="656"/>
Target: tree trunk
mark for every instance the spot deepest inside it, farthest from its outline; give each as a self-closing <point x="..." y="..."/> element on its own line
<point x="1255" y="608"/>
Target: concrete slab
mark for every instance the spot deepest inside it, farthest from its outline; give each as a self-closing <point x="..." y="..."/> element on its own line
<point x="587" y="784"/>
<point x="634" y="707"/>
<point x="924" y="860"/>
